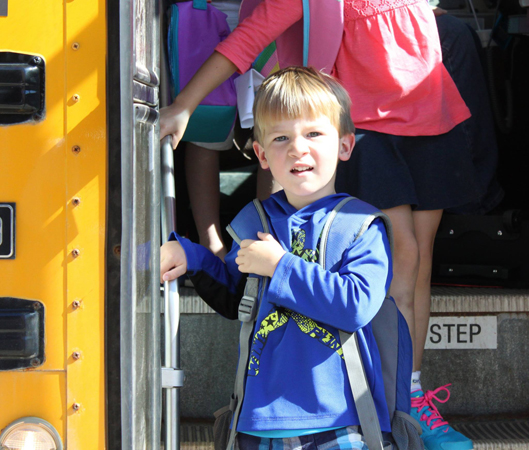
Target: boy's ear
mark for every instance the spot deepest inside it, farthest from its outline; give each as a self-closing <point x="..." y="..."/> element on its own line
<point x="347" y="144"/>
<point x="260" y="153"/>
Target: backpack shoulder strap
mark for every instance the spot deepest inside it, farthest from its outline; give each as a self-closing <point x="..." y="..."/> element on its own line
<point x="245" y="226"/>
<point x="339" y="232"/>
<point x="389" y="329"/>
<point x="248" y="222"/>
<point x="365" y="405"/>
<point x="313" y="41"/>
<point x="322" y="33"/>
<point x="200" y="4"/>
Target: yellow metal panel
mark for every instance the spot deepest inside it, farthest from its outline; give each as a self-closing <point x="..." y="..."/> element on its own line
<point x="55" y="171"/>
<point x="34" y="393"/>
<point x="33" y="176"/>
<point x="86" y="181"/>
<point x="86" y="214"/>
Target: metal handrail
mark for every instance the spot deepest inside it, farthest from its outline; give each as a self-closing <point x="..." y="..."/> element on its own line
<point x="171" y="309"/>
<point x="171" y="365"/>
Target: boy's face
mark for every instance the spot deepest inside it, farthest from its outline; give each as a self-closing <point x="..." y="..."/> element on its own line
<point x="302" y="155"/>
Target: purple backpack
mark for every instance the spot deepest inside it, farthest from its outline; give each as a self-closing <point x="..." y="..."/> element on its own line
<point x="313" y="41"/>
<point x="195" y="29"/>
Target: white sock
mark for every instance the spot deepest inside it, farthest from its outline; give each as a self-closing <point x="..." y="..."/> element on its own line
<point x="416" y="381"/>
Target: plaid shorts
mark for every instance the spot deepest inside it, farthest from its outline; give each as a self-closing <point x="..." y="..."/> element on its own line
<point x="340" y="439"/>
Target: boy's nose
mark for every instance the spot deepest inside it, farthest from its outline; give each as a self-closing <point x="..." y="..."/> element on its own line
<point x="299" y="147"/>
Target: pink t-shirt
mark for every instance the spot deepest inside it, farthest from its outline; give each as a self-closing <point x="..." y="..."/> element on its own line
<point x="390" y="62"/>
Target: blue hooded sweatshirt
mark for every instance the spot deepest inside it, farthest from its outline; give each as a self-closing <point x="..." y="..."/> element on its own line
<point x="296" y="375"/>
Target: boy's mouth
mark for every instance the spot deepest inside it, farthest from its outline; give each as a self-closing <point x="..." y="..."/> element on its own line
<point x="301" y="169"/>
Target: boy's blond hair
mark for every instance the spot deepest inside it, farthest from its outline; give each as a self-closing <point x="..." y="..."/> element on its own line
<point x="299" y="92"/>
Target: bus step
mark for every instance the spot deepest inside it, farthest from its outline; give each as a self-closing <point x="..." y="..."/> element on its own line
<point x="499" y="434"/>
<point x="486" y="434"/>
<point x="196" y="435"/>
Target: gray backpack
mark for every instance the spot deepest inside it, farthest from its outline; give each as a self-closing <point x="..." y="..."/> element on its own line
<point x="346" y="223"/>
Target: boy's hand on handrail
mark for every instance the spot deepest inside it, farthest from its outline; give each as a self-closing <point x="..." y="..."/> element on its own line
<point x="173" y="261"/>
<point x="173" y="122"/>
<point x="259" y="257"/>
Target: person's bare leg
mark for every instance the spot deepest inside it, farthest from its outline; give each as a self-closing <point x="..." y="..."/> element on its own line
<point x="426" y="224"/>
<point x="266" y="185"/>
<point x="202" y="173"/>
<point x="405" y="263"/>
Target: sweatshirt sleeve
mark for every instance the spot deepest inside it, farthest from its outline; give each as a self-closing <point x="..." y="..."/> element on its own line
<point x="267" y="21"/>
<point x="347" y="299"/>
<point x="219" y="284"/>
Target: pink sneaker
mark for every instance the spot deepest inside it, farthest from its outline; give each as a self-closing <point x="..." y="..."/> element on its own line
<point x="436" y="433"/>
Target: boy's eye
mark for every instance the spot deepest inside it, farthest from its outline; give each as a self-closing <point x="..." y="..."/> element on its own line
<point x="314" y="134"/>
<point x="280" y="138"/>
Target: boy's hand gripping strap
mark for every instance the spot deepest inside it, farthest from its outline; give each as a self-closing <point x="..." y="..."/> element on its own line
<point x="365" y="406"/>
<point x="248" y="310"/>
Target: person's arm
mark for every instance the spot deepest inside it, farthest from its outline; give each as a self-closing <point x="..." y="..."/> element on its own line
<point x="269" y="19"/>
<point x="347" y="299"/>
<point x="219" y="284"/>
<point x="174" y="118"/>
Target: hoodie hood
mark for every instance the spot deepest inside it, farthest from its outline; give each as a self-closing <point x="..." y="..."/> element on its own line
<point x="311" y="219"/>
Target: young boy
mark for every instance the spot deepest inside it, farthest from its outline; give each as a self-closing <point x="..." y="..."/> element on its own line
<point x="297" y="392"/>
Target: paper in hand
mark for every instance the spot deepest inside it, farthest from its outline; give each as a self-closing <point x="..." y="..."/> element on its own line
<point x="246" y="86"/>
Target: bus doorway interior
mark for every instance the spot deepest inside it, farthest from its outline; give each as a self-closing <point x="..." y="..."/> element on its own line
<point x="480" y="294"/>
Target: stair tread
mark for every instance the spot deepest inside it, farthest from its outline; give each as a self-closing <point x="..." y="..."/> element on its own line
<point x="462" y="300"/>
<point x="499" y="434"/>
<point x="493" y="430"/>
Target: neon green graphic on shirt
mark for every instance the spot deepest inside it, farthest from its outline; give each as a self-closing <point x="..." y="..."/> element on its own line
<point x="279" y="317"/>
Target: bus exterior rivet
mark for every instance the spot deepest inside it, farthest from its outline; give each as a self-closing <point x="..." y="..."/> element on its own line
<point x="494" y="270"/>
<point x="500" y="233"/>
<point x="117" y="250"/>
<point x="76" y="304"/>
<point x="76" y="97"/>
<point x="76" y="355"/>
<point x="36" y="306"/>
<point x="76" y="406"/>
<point x="37" y="60"/>
<point x="451" y="232"/>
<point x="76" y="45"/>
<point x="35" y="362"/>
<point x="450" y="270"/>
<point x="76" y="201"/>
<point x="75" y="252"/>
<point x="76" y="149"/>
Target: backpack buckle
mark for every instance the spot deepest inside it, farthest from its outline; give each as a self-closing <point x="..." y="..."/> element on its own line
<point x="248" y="304"/>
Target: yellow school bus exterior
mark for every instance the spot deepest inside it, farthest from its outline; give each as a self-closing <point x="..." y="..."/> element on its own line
<point x="78" y="160"/>
<point x="54" y="170"/>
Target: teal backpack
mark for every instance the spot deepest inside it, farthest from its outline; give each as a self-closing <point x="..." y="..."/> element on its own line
<point x="195" y="29"/>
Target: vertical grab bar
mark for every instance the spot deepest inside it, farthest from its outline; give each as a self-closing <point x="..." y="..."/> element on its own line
<point x="172" y="375"/>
